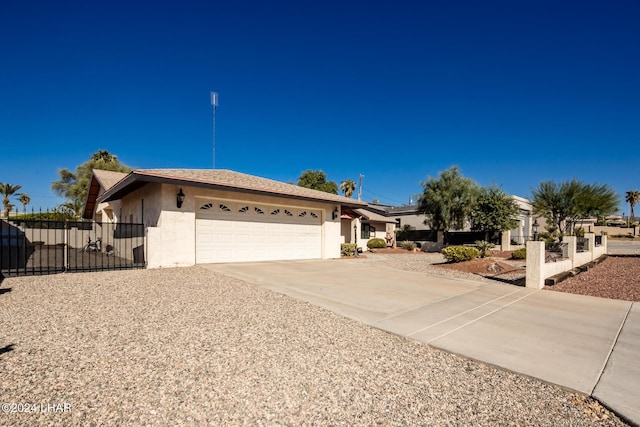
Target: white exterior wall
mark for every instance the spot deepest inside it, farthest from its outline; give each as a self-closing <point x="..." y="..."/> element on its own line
<point x="538" y="270"/>
<point x="171" y="232"/>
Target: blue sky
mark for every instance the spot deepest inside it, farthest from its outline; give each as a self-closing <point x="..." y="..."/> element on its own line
<point x="513" y="92"/>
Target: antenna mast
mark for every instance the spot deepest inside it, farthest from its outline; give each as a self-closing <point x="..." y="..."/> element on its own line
<point x="360" y="189"/>
<point x="214" y="104"/>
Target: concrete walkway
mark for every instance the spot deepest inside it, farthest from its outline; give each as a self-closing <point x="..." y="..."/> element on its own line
<point x="587" y="344"/>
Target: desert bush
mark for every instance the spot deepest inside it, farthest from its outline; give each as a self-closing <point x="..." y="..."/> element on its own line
<point x="347" y="249"/>
<point x="519" y="254"/>
<point x="410" y="246"/>
<point x="376" y="243"/>
<point x="484" y="247"/>
<point x="460" y="253"/>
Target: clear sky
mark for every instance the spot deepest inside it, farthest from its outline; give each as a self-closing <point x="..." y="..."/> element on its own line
<point x="513" y="92"/>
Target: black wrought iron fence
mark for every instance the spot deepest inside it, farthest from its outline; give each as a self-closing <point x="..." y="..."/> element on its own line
<point x="556" y="251"/>
<point x="582" y="244"/>
<point x="31" y="247"/>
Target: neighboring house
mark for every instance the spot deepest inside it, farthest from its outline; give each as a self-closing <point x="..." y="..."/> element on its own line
<point x="359" y="225"/>
<point x="408" y="215"/>
<point x="195" y="216"/>
<point x="519" y="235"/>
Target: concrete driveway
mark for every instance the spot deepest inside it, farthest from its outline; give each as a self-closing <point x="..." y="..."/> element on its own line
<point x="582" y="343"/>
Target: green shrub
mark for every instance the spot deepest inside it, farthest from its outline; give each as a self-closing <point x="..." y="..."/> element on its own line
<point x="410" y="246"/>
<point x="460" y="253"/>
<point x="484" y="247"/>
<point x="347" y="249"/>
<point x="519" y="254"/>
<point x="376" y="243"/>
<point x="578" y="231"/>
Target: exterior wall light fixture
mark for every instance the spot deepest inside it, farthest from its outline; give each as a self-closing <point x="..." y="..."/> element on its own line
<point x="179" y="198"/>
<point x="335" y="214"/>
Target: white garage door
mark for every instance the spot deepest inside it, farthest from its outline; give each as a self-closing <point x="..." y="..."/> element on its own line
<point x="239" y="231"/>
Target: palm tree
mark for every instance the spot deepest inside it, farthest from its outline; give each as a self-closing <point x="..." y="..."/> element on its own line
<point x="71" y="210"/>
<point x="8" y="190"/>
<point x="25" y="200"/>
<point x="632" y="198"/>
<point x="348" y="187"/>
<point x="104" y="156"/>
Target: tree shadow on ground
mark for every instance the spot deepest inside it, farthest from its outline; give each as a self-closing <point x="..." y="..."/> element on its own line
<point x="6" y="349"/>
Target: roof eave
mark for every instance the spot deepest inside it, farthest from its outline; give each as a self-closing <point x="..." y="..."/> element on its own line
<point x="127" y="185"/>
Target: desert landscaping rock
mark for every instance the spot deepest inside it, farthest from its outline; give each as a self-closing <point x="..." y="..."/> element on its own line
<point x="188" y="346"/>
<point x="615" y="277"/>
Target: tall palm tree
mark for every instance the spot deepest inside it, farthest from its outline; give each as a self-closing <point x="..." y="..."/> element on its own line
<point x="632" y="198"/>
<point x="348" y="187"/>
<point x="104" y="156"/>
<point x="8" y="190"/>
<point x="25" y="200"/>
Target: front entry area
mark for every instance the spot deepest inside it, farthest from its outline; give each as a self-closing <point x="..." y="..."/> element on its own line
<point x="237" y="231"/>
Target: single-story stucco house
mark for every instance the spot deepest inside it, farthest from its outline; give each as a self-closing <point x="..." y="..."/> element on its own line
<point x="359" y="225"/>
<point x="196" y="216"/>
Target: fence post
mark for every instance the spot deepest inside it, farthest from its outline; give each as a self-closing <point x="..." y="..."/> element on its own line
<point x="505" y="242"/>
<point x="65" y="246"/>
<point x="535" y="263"/>
<point x="572" y="249"/>
<point x="591" y="244"/>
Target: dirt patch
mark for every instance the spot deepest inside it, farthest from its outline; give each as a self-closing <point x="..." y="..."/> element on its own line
<point x="498" y="267"/>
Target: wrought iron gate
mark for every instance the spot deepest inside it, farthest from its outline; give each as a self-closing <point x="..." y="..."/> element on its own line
<point x="31" y="247"/>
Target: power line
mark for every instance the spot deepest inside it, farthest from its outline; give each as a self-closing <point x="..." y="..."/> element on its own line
<point x="384" y="197"/>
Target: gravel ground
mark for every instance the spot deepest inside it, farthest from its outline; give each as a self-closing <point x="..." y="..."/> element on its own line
<point x="615" y="277"/>
<point x="422" y="262"/>
<point x="188" y="346"/>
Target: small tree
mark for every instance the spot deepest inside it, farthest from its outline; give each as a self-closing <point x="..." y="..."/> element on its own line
<point x="8" y="190"/>
<point x="24" y="199"/>
<point x="495" y="211"/>
<point x="563" y="204"/>
<point x="71" y="210"/>
<point x="447" y="201"/>
<point x="404" y="232"/>
<point x="317" y="180"/>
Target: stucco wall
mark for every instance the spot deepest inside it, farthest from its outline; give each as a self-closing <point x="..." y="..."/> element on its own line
<point x="538" y="270"/>
<point x="416" y="221"/>
<point x="171" y="230"/>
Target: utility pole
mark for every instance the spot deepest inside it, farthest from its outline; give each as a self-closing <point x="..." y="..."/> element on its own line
<point x="214" y="104"/>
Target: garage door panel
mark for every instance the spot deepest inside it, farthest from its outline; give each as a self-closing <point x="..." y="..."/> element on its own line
<point x="237" y="232"/>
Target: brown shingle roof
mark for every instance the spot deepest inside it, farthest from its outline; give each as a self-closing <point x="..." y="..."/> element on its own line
<point x="372" y="216"/>
<point x="222" y="178"/>
<point x="108" y="179"/>
<point x="101" y="181"/>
